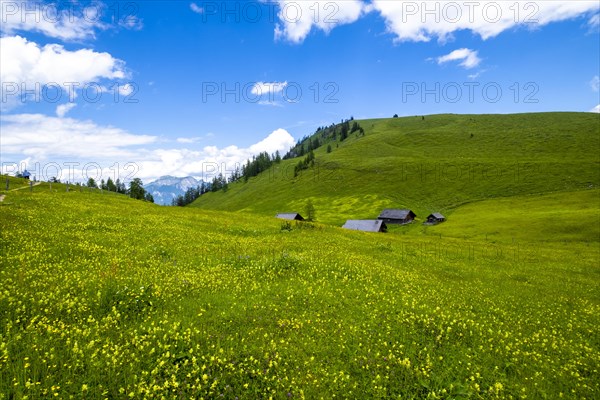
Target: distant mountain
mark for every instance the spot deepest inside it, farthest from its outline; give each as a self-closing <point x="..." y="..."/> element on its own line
<point x="166" y="188"/>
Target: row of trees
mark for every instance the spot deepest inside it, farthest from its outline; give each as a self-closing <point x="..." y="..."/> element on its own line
<point x="309" y="160"/>
<point x="323" y="135"/>
<point x="258" y="164"/>
<point x="263" y="161"/>
<point x="253" y="167"/>
<point x="191" y="194"/>
<point x="136" y="188"/>
<point x="118" y="186"/>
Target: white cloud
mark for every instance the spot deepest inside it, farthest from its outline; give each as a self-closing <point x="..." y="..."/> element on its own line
<point x="279" y="139"/>
<point x="42" y="139"/>
<point x="189" y="140"/>
<point x="595" y="83"/>
<point x="65" y="22"/>
<point x="423" y="21"/>
<point x="63" y="109"/>
<point x="298" y="18"/>
<point x="261" y="88"/>
<point x="596" y="109"/>
<point x="209" y="161"/>
<point x="196" y="8"/>
<point x="469" y="58"/>
<point x="26" y="66"/>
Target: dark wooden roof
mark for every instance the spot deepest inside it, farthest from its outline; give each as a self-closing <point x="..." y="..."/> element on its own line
<point x="290" y="216"/>
<point x="436" y="216"/>
<point x="396" y="214"/>
<point x="365" y="225"/>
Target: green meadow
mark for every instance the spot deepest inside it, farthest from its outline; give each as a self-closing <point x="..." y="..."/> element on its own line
<point x="103" y="296"/>
<point x="431" y="165"/>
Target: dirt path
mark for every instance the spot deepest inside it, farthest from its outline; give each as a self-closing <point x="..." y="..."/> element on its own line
<point x="25" y="187"/>
<point x="2" y="196"/>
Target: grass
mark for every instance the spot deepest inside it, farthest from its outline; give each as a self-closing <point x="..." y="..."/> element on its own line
<point x="13" y="183"/>
<point x="102" y="296"/>
<point x="429" y="166"/>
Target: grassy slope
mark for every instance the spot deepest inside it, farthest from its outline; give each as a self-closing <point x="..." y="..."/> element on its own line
<point x="13" y="183"/>
<point x="431" y="165"/>
<point x="104" y="296"/>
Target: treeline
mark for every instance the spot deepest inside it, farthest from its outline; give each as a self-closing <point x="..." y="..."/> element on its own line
<point x="253" y="167"/>
<point x="324" y="135"/>
<point x="263" y="161"/>
<point x="258" y="164"/>
<point x="191" y="194"/>
<point x="309" y="161"/>
<point x="135" y="190"/>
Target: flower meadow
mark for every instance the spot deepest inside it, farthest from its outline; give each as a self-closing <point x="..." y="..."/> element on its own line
<point x="103" y="297"/>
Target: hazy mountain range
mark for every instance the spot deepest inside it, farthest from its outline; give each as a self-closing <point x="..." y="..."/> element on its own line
<point x="166" y="188"/>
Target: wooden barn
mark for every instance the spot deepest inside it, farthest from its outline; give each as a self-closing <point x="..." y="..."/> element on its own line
<point x="366" y="225"/>
<point x="435" y="218"/>
<point x="290" y="216"/>
<point x="400" y="217"/>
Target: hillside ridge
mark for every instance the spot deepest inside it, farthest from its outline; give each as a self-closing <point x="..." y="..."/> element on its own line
<point x="431" y="163"/>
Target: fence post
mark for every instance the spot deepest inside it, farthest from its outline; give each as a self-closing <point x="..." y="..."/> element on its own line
<point x="7" y="182"/>
<point x="67" y="186"/>
<point x="31" y="186"/>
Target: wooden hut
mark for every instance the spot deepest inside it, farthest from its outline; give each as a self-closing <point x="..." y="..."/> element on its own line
<point x="435" y="218"/>
<point x="400" y="217"/>
<point x="290" y="216"/>
<point x="366" y="225"/>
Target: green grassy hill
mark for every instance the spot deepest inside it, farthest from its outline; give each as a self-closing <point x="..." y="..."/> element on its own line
<point x="13" y="183"/>
<point x="102" y="296"/>
<point x="436" y="164"/>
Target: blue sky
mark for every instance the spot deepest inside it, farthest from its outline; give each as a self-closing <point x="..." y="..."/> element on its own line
<point x="173" y="86"/>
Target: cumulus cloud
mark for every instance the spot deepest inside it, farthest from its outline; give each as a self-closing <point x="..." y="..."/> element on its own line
<point x="63" y="109"/>
<point x="468" y="58"/>
<point x="278" y="140"/>
<point x="40" y="138"/>
<point x="60" y="21"/>
<point x="298" y="18"/>
<point x="210" y="160"/>
<point x="43" y="137"/>
<point x="261" y="88"/>
<point x="596" y="109"/>
<point x="27" y="66"/>
<point x="423" y="21"/>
